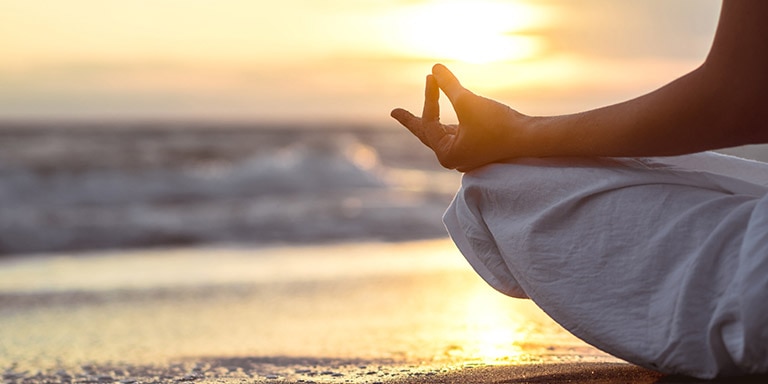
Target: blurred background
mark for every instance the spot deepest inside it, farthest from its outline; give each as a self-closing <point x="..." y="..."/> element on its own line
<point x="188" y="122"/>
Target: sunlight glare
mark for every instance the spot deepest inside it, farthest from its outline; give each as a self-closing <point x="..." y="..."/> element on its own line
<point x="493" y="332"/>
<point x="470" y="31"/>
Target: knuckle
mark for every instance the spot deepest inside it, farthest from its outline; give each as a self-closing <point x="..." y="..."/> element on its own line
<point x="447" y="162"/>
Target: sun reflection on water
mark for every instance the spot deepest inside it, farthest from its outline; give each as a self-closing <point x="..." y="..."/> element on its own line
<point x="493" y="332"/>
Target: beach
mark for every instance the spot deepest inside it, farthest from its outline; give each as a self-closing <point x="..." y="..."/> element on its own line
<point x="409" y="312"/>
<point x="233" y="253"/>
<point x="214" y="192"/>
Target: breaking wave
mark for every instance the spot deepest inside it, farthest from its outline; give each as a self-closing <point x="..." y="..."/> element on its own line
<point x="307" y="189"/>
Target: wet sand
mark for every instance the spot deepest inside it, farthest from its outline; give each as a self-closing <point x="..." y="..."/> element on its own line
<point x="355" y="313"/>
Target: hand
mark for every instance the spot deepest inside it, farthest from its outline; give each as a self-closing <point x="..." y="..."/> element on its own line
<point x="485" y="133"/>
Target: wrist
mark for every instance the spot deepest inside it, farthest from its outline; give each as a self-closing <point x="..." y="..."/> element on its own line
<point x="524" y="136"/>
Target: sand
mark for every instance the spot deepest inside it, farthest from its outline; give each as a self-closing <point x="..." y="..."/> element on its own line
<point x="351" y="313"/>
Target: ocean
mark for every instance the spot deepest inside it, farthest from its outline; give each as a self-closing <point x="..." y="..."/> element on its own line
<point x="80" y="186"/>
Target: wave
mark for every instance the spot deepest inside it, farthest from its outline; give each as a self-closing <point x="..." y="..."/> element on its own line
<point x="310" y="188"/>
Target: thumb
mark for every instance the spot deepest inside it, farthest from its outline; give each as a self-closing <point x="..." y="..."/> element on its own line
<point x="448" y="82"/>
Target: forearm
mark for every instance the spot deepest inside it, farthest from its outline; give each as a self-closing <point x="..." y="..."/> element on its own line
<point x="672" y="120"/>
<point x="723" y="103"/>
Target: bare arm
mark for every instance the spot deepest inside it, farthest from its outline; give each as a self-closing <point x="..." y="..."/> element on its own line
<point x="723" y="103"/>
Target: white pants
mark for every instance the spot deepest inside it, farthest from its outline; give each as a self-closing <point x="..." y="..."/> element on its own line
<point x="660" y="261"/>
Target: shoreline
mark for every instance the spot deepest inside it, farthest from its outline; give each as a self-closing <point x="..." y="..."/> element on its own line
<point x="413" y="307"/>
<point x="405" y="313"/>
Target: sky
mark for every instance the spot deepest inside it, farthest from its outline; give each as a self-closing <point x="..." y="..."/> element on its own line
<point x="335" y="60"/>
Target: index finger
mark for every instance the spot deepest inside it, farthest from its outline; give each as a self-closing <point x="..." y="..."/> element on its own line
<point x="448" y="82"/>
<point x="413" y="123"/>
<point x="431" y="110"/>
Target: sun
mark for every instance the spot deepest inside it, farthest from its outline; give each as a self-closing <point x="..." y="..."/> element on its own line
<point x="469" y="31"/>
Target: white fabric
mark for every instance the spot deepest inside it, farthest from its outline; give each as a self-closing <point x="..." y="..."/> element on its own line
<point x="662" y="262"/>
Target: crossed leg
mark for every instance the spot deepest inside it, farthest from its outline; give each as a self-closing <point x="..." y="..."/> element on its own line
<point x="662" y="262"/>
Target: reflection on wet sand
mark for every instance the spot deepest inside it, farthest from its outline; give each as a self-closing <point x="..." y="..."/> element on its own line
<point x="400" y="311"/>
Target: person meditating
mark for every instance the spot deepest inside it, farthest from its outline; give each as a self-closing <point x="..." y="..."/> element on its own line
<point x="614" y="221"/>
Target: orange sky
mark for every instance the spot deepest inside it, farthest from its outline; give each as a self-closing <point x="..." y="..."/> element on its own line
<point x="334" y="60"/>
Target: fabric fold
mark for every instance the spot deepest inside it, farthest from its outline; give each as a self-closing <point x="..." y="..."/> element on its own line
<point x="659" y="261"/>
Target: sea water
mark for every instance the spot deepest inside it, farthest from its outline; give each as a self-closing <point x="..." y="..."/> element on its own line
<point x="81" y="186"/>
